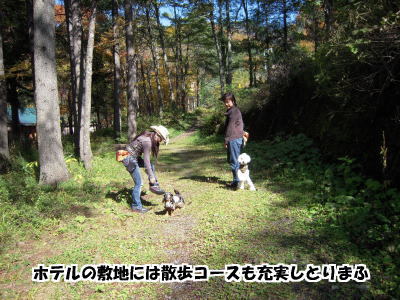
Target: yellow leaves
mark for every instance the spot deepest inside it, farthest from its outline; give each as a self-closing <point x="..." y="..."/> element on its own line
<point x="70" y="159"/>
<point x="32" y="165"/>
<point x="78" y="178"/>
<point x="308" y="45"/>
<point x="21" y="69"/>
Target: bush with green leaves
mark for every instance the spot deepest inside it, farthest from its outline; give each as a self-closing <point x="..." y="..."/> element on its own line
<point x="363" y="208"/>
<point x="212" y="123"/>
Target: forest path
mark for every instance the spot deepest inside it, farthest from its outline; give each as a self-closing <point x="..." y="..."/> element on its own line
<point x="217" y="226"/>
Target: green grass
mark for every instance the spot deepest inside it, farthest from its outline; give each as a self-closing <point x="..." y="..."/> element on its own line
<point x="87" y="221"/>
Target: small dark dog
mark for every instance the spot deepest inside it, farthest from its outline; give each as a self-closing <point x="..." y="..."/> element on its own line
<point x="172" y="202"/>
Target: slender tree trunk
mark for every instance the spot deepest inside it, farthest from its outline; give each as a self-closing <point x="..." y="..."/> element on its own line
<point x="147" y="103"/>
<point x="285" y="28"/>
<point x="4" y="150"/>
<point x="179" y="62"/>
<point x="151" y="97"/>
<point x="29" y="12"/>
<point x="222" y="40"/>
<point x="229" y="44"/>
<point x="267" y="39"/>
<point x="12" y="95"/>
<point x="84" y="145"/>
<point x="74" y="28"/>
<point x="164" y="53"/>
<point x="154" y="56"/>
<point x="251" y="74"/>
<point x="70" y="113"/>
<point x="328" y="8"/>
<point x="184" y="67"/>
<point x="72" y="94"/>
<point x="177" y="67"/>
<point x="51" y="158"/>
<point x="219" y="54"/>
<point x="198" y="87"/>
<point x="117" y="71"/>
<point x="98" y="116"/>
<point x="131" y="58"/>
<point x="316" y="30"/>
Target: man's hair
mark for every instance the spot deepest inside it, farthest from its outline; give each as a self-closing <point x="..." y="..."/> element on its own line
<point x="229" y="96"/>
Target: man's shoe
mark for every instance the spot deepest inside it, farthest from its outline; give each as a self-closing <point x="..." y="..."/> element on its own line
<point x="140" y="210"/>
<point x="157" y="190"/>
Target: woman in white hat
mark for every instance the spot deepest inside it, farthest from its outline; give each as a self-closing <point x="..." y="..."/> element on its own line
<point x="146" y="143"/>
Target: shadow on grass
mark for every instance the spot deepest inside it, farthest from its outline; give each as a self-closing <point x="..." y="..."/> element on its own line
<point x="210" y="179"/>
<point x="125" y="195"/>
<point x="202" y="178"/>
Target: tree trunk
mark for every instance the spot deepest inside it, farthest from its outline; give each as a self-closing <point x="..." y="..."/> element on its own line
<point x="147" y="103"/>
<point x="4" y="151"/>
<point x="51" y="158"/>
<point x="70" y="113"/>
<point x="179" y="62"/>
<point x="29" y="12"/>
<point x="267" y="40"/>
<point x="154" y="56"/>
<point x="328" y="7"/>
<point x="184" y="67"/>
<point x="229" y="44"/>
<point x="98" y="116"/>
<point x="222" y="40"/>
<point x="84" y="144"/>
<point x="315" y="29"/>
<point x="75" y="31"/>
<point x="117" y="71"/>
<point x="164" y="53"/>
<point x="198" y="87"/>
<point x="285" y="28"/>
<point x="151" y="97"/>
<point x="219" y="54"/>
<point x="251" y="68"/>
<point x="12" y="95"/>
<point x="131" y="58"/>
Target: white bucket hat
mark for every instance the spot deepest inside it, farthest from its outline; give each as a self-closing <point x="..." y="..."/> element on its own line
<point x="162" y="132"/>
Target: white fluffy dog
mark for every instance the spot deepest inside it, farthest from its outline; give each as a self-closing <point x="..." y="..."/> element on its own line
<point x="243" y="173"/>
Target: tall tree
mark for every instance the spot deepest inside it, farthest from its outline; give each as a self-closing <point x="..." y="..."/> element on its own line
<point x="221" y="36"/>
<point x="164" y="52"/>
<point x="285" y="27"/>
<point x="147" y="102"/>
<point x="4" y="151"/>
<point x="51" y="158"/>
<point x="84" y="137"/>
<point x="228" y="43"/>
<point x="12" y="95"/>
<point x="248" y="43"/>
<point x="150" y="93"/>
<point x="117" y="71"/>
<point x="132" y="89"/>
<point x="328" y="13"/>
<point x="75" y="32"/>
<point x="217" y="43"/>
<point x="153" y="50"/>
<point x="180" y="84"/>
